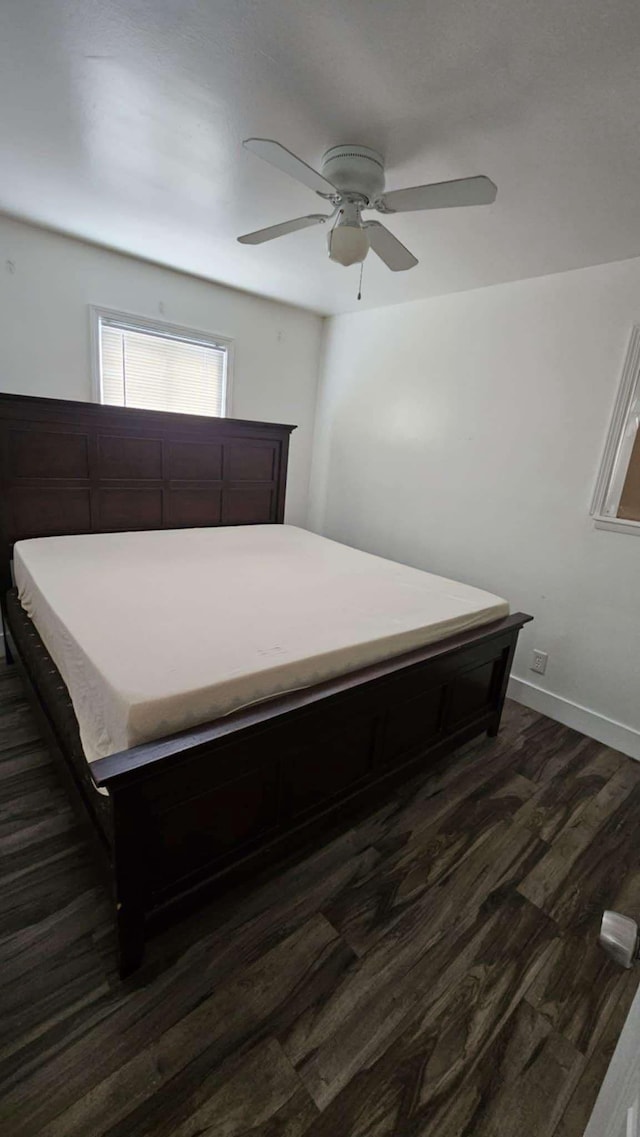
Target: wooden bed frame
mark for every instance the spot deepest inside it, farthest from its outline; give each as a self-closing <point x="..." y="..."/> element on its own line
<point x="184" y="814"/>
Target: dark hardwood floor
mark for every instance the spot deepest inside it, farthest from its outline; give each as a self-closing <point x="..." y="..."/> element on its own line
<point x="434" y="970"/>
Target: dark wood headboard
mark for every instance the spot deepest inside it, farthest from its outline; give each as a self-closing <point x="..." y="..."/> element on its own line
<point x="70" y="467"/>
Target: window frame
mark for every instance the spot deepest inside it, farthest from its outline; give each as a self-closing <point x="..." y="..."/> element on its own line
<point x="618" y="447"/>
<point x="162" y="328"/>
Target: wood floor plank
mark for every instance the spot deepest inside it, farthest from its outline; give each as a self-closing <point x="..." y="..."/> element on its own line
<point x="332" y="1042"/>
<point x="545" y="885"/>
<point x="254" y="1091"/>
<point x="519" y="1087"/>
<point x="604" y="868"/>
<point x="217" y="1025"/>
<point x="144" y="1008"/>
<point x="454" y="1022"/>
<point x="574" y="1117"/>
<point x="432" y="970"/>
<point x="35" y="893"/>
<point x="579" y="986"/>
<point x="558" y="802"/>
<point x="17" y="726"/>
<point x="543" y="749"/>
<point x="424" y="855"/>
<point x="262" y="1094"/>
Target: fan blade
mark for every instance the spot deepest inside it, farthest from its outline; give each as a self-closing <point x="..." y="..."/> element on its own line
<point x="284" y="227"/>
<point x="284" y="160"/>
<point x="389" y="248"/>
<point x="440" y="195"/>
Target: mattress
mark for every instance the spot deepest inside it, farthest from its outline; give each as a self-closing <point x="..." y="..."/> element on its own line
<point x="157" y="632"/>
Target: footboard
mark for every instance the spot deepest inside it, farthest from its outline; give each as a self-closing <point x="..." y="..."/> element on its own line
<point x="208" y="805"/>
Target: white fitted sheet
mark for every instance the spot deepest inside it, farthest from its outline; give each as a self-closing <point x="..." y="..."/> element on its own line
<point x="156" y="632"/>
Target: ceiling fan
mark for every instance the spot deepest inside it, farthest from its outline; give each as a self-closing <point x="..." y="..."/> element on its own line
<point x="352" y="180"/>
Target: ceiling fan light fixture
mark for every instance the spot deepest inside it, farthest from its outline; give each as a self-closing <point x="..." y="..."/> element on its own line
<point x="348" y="241"/>
<point x="348" y="245"/>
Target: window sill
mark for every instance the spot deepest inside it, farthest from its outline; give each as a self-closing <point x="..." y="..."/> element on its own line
<point x="617" y="525"/>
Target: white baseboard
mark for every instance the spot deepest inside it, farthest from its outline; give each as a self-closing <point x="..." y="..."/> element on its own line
<point x="606" y="730"/>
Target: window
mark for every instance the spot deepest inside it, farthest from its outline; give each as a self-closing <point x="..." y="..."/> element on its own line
<point x="159" y="367"/>
<point x="616" y="502"/>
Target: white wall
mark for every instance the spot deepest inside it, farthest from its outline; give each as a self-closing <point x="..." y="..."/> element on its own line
<point x="47" y="282"/>
<point x="464" y="434"/>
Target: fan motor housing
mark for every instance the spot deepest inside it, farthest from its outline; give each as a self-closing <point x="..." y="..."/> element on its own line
<point x="355" y="169"/>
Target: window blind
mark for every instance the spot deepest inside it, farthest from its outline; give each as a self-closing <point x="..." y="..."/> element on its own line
<point x="153" y="371"/>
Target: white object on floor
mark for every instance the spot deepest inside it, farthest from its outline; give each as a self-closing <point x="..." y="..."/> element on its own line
<point x="156" y="632"/>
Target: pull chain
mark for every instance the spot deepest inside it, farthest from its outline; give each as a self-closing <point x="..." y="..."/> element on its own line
<point x="360" y="284"/>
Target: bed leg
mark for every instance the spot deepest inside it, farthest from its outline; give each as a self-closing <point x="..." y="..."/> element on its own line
<point x="502" y="681"/>
<point x="8" y="654"/>
<point x="130" y="929"/>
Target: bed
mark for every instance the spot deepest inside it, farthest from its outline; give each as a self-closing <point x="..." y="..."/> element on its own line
<point x="219" y="689"/>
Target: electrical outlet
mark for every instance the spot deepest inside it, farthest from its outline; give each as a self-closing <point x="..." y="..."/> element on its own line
<point x="539" y="661"/>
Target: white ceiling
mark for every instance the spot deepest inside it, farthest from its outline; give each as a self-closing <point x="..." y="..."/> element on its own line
<point x="122" y="122"/>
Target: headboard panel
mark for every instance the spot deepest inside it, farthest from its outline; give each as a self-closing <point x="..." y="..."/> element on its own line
<point x="70" y="467"/>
